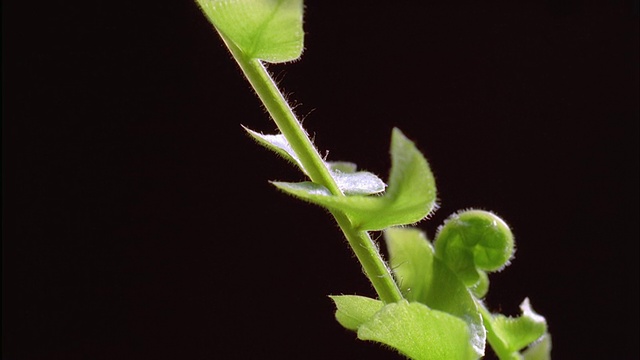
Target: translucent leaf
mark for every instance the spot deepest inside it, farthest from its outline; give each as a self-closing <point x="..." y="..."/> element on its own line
<point x="472" y="240"/>
<point x="358" y="183"/>
<point x="350" y="181"/>
<point x="279" y="144"/>
<point x="353" y="182"/>
<point x="419" y="332"/>
<point x="342" y="166"/>
<point x="424" y="278"/>
<point x="353" y="311"/>
<point x="409" y="198"/>
<point x="539" y="350"/>
<point x="517" y="333"/>
<point x="269" y="30"/>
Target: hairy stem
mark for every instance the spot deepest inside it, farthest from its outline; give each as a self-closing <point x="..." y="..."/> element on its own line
<point x="363" y="246"/>
<point x="374" y="266"/>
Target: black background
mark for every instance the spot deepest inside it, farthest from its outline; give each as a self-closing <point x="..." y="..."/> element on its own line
<point x="138" y="222"/>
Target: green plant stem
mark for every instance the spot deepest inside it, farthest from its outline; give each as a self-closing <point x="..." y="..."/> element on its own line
<point x="374" y="266"/>
<point x="363" y="246"/>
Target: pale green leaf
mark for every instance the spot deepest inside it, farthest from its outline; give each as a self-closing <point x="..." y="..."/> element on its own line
<point x="419" y="332"/>
<point x="411" y="258"/>
<point x="353" y="311"/>
<point x="409" y="198"/>
<point x="425" y="278"/>
<point x="269" y="30"/>
<point x="517" y="333"/>
<point x="481" y="287"/>
<point x="342" y="166"/>
<point x="539" y="350"/>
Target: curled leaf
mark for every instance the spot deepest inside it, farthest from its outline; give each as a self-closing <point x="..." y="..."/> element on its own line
<point x="474" y="240"/>
<point x="481" y="287"/>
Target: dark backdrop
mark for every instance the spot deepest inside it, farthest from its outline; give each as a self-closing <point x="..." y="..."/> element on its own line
<point x="138" y="222"/>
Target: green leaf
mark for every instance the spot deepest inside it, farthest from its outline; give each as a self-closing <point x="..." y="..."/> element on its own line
<point x="353" y="311"/>
<point x="424" y="278"/>
<point x="480" y="288"/>
<point x="269" y="30"/>
<point x="409" y="198"/>
<point x="517" y="333"/>
<point x="472" y="240"/>
<point x="539" y="350"/>
<point x="411" y="258"/>
<point x="419" y="332"/>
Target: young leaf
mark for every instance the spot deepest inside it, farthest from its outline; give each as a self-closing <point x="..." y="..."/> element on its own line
<point x="517" y="333"/>
<point x="472" y="240"/>
<point x="278" y="144"/>
<point x="342" y="166"/>
<point x="419" y="332"/>
<point x="350" y="181"/>
<point x="269" y="30"/>
<point x="358" y="182"/>
<point x="447" y="293"/>
<point x="411" y="258"/>
<point x="539" y="350"/>
<point x="410" y="196"/>
<point x="481" y="287"/>
<point x="425" y="278"/>
<point x="353" y="311"/>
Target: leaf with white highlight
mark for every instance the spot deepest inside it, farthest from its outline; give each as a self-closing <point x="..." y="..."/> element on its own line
<point x="350" y="181"/>
<point x="278" y="144"/>
<point x="353" y="182"/>
<point x="409" y="198"/>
